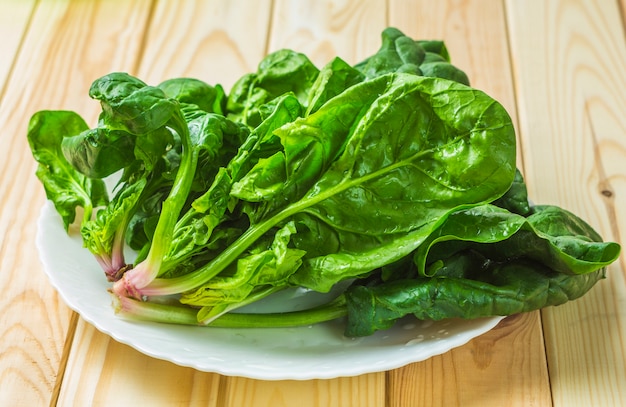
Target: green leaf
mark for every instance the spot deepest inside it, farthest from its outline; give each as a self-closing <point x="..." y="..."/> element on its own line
<point x="104" y="236"/>
<point x="254" y="272"/>
<point x="210" y="99"/>
<point x="64" y="185"/>
<point x="435" y="47"/>
<point x="333" y="79"/>
<point x="131" y="105"/>
<point x="550" y="235"/>
<point x="400" y="53"/>
<point x="423" y="147"/>
<point x="281" y="72"/>
<point x="516" y="198"/>
<point x="99" y="152"/>
<point x="504" y="289"/>
<point x="262" y="142"/>
<point x="444" y="70"/>
<point x="389" y="158"/>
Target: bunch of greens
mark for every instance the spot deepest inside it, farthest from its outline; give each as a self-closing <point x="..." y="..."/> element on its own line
<point x="393" y="174"/>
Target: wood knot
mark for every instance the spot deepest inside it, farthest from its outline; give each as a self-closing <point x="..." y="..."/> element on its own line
<point x="607" y="193"/>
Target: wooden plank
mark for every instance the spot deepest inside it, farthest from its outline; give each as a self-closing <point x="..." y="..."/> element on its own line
<point x="321" y="30"/>
<point x="67" y="45"/>
<point x="329" y="28"/>
<point x="481" y="50"/>
<point x="363" y="391"/>
<point x="479" y="373"/>
<point x="14" y="19"/>
<point x="214" y="41"/>
<point x="569" y="59"/>
<point x="103" y="372"/>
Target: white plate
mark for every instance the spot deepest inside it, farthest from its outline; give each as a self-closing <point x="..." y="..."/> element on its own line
<point x="313" y="352"/>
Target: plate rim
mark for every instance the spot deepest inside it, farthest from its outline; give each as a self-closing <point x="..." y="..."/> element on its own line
<point x="483" y="325"/>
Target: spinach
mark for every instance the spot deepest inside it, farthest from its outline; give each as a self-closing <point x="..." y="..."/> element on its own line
<point x="65" y="186"/>
<point x="486" y="261"/>
<point x="512" y="288"/>
<point x="280" y="72"/>
<point x="399" y="53"/>
<point x="332" y="170"/>
<point x="392" y="175"/>
<point x="211" y="99"/>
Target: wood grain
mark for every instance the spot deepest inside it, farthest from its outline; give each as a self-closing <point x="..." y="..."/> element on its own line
<point x="106" y="366"/>
<point x="365" y="390"/>
<point x="479" y="373"/>
<point x="325" y="29"/>
<point x="557" y="67"/>
<point x="215" y="41"/>
<point x="14" y="22"/>
<point x="570" y="58"/>
<point x="52" y="70"/>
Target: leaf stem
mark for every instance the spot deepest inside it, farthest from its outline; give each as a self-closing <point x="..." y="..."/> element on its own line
<point x="134" y="280"/>
<point x="182" y="315"/>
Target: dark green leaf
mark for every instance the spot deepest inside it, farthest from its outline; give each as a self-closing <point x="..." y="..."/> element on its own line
<point x="516" y="198"/>
<point x="504" y="289"/>
<point x="99" y="152"/>
<point x="281" y="72"/>
<point x="550" y="236"/>
<point x="210" y="99"/>
<point x="362" y="165"/>
<point x="131" y="105"/>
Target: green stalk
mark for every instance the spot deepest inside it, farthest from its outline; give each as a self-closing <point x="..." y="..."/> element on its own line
<point x="202" y="275"/>
<point x="190" y="281"/>
<point x="146" y="271"/>
<point x="176" y="314"/>
<point x="213" y="313"/>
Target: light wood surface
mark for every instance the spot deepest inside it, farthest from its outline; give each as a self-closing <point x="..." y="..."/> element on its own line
<point x="559" y="68"/>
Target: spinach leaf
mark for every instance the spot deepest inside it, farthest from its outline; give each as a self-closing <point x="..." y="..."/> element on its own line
<point x="281" y="72"/>
<point x="104" y="236"/>
<point x="400" y="53"/>
<point x="99" y="152"/>
<point x="501" y="289"/>
<point x="516" y="198"/>
<point x="131" y="105"/>
<point x="434" y="48"/>
<point x="66" y="187"/>
<point x="366" y="169"/>
<point x="550" y="235"/>
<point x="128" y="104"/>
<point x="486" y="261"/>
<point x="256" y="275"/>
<point x="211" y="99"/>
<point x="333" y="79"/>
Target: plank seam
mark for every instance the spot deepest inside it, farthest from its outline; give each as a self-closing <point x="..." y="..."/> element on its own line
<point x="18" y="51"/>
<point x="268" y="34"/>
<point x="507" y="31"/>
<point x="514" y="79"/>
<point x="622" y="15"/>
<point x="67" y="347"/>
<point x="144" y="38"/>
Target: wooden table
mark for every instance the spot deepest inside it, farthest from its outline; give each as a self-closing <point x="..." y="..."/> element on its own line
<point x="559" y="67"/>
